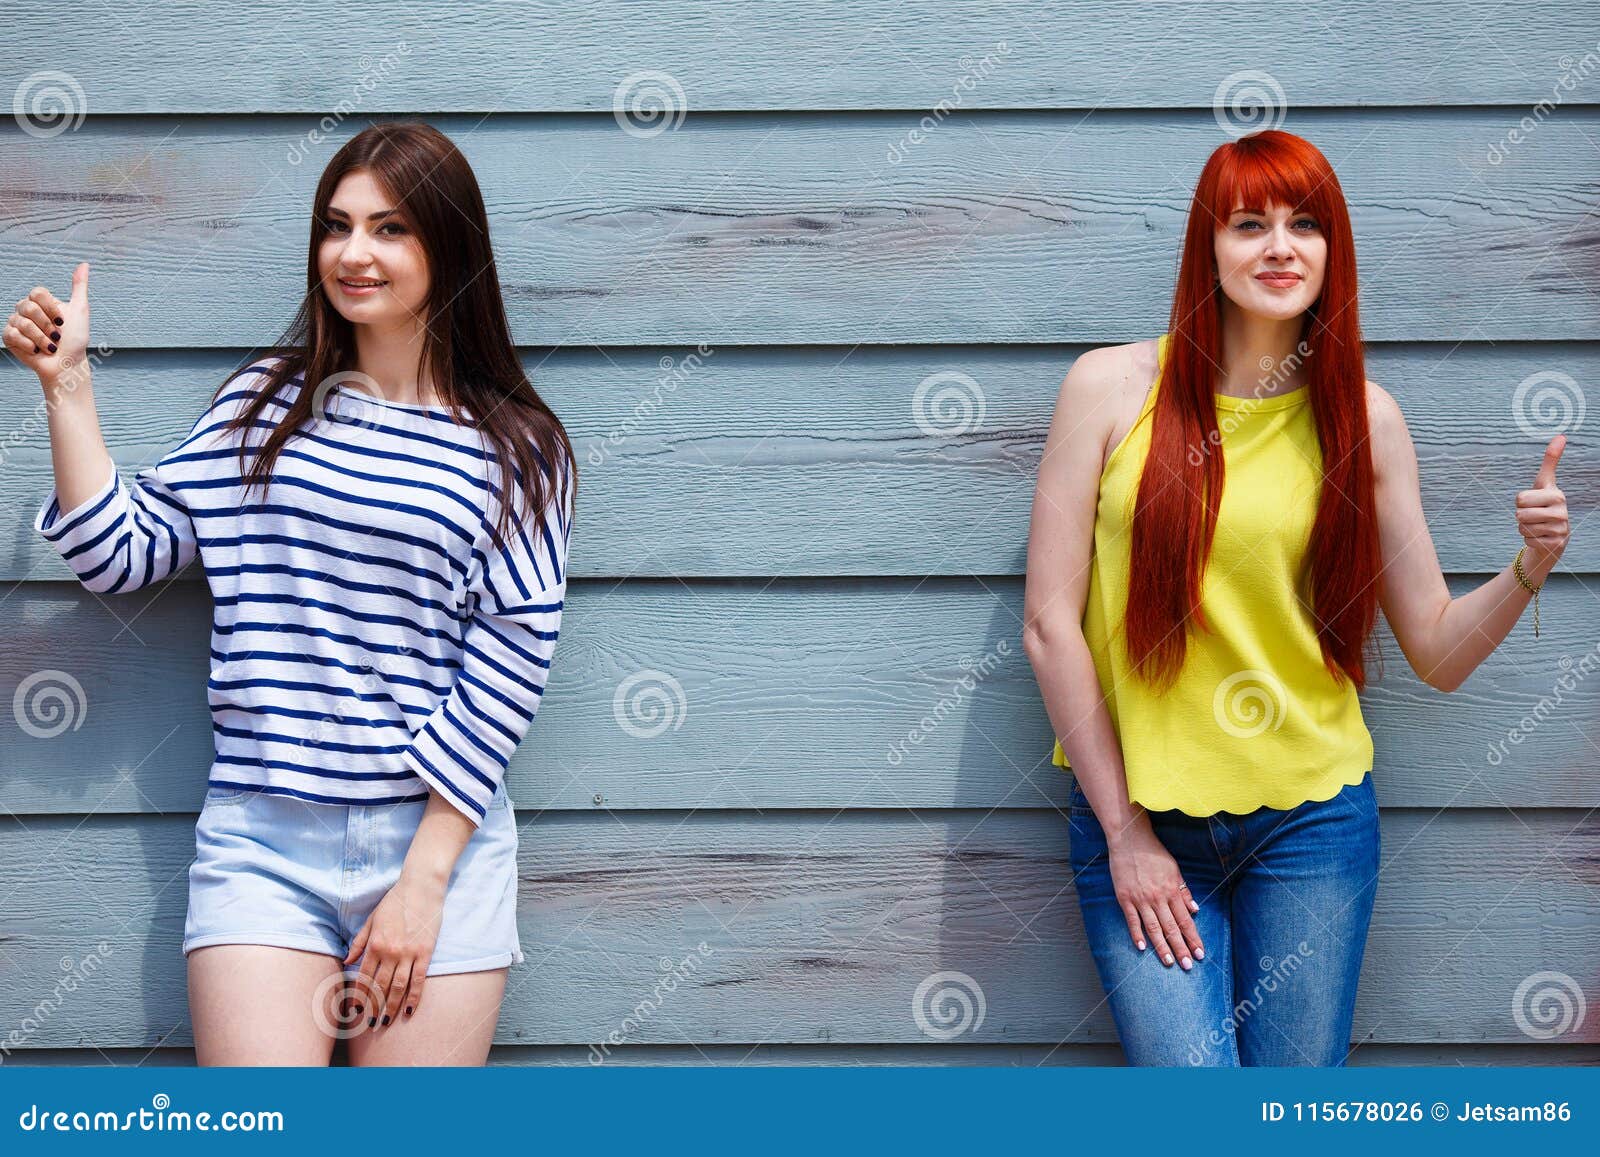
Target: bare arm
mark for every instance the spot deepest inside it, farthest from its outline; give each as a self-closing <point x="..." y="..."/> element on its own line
<point x="1060" y="551"/>
<point x="77" y="449"/>
<point x="1445" y="639"/>
<point x="1149" y="885"/>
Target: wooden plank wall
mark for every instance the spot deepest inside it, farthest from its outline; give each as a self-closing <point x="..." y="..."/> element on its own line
<point x="733" y="317"/>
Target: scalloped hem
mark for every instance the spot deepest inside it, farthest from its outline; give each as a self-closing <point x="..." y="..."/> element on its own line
<point x="1278" y="803"/>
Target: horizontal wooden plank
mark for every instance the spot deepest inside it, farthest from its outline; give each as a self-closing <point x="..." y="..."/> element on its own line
<point x="489" y="57"/>
<point x="768" y="228"/>
<point x="766" y="695"/>
<point x="861" y="1055"/>
<point x="800" y="461"/>
<point x="816" y="927"/>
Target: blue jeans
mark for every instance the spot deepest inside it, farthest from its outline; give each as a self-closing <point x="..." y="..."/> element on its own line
<point x="1285" y="900"/>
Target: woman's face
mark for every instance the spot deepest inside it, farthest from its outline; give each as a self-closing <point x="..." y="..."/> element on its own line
<point x="1270" y="260"/>
<point x="370" y="240"/>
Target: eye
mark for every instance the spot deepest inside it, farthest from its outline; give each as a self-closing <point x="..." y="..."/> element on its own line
<point x="395" y="225"/>
<point x="1248" y="223"/>
<point x="332" y="226"/>
<point x="1311" y="222"/>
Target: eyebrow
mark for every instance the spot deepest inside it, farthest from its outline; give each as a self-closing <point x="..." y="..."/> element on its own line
<point x="1263" y="212"/>
<point x="378" y="216"/>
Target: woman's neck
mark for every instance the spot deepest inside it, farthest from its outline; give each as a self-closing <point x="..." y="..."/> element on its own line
<point x="1261" y="356"/>
<point x="393" y="361"/>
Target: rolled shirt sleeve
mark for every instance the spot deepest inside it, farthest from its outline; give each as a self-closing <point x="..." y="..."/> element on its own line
<point x="517" y="591"/>
<point x="121" y="538"/>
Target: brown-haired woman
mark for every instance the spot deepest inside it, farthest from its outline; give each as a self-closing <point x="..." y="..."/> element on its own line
<point x="382" y="506"/>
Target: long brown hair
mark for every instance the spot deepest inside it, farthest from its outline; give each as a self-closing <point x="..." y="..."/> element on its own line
<point x="1175" y="515"/>
<point x="467" y="341"/>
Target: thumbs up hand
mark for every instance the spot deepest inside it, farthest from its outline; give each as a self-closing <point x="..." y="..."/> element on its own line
<point x="1542" y="513"/>
<point x="48" y="335"/>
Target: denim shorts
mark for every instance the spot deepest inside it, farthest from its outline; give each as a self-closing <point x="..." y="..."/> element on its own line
<point x="274" y="869"/>
<point x="1285" y="899"/>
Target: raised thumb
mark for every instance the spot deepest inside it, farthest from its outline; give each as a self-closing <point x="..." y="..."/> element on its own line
<point x="1547" y="468"/>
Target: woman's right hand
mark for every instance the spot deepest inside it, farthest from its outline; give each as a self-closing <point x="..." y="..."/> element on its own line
<point x="1155" y="900"/>
<point x="49" y="335"/>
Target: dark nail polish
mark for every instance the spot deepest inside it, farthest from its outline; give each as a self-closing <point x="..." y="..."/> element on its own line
<point x="55" y="335"/>
<point x="408" y="1010"/>
<point x="386" y="1020"/>
<point x="60" y="322"/>
<point x="52" y="347"/>
<point x="35" y="349"/>
<point x="358" y="1009"/>
<point x="371" y="1020"/>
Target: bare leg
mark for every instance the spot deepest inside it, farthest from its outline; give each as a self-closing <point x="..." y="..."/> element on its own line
<point x="454" y="1026"/>
<point x="255" y="1004"/>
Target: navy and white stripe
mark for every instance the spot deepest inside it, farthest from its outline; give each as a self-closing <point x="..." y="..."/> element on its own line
<point x="369" y="642"/>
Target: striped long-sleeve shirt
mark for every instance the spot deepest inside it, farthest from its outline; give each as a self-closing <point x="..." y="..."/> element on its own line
<point x="369" y="642"/>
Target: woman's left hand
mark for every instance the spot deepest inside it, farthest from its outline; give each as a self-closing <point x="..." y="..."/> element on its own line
<point x="398" y="939"/>
<point x="1542" y="512"/>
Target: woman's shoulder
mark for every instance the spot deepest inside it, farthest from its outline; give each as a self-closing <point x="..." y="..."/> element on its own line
<point x="1112" y="368"/>
<point x="1387" y="432"/>
<point x="249" y="379"/>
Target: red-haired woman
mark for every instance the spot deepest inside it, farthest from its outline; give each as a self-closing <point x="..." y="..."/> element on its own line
<point x="1219" y="514"/>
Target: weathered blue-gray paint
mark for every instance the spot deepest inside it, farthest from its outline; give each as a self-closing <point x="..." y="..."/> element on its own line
<point x="772" y="527"/>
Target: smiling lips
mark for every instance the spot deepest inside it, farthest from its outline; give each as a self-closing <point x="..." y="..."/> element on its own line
<point x="361" y="287"/>
<point x="1279" y="280"/>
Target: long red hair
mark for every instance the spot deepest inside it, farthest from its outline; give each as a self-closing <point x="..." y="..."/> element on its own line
<point x="1175" y="514"/>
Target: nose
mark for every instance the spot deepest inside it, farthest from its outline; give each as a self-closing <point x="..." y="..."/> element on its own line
<point x="354" y="254"/>
<point x="1278" y="243"/>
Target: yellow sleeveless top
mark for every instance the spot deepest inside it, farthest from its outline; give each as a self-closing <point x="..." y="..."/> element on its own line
<point x="1254" y="718"/>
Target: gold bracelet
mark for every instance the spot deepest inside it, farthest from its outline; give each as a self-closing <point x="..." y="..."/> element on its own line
<point x="1522" y="578"/>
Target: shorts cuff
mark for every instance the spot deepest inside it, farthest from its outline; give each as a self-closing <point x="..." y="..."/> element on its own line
<point x="268" y="939"/>
<point x="480" y="964"/>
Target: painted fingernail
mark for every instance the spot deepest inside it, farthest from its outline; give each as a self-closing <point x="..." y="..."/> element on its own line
<point x="1187" y="964"/>
<point x="1199" y="953"/>
<point x="60" y="322"/>
<point x="55" y="335"/>
<point x="408" y="1010"/>
<point x="1168" y="958"/>
<point x="1141" y="946"/>
<point x="52" y="347"/>
<point x="371" y="1020"/>
<point x="386" y="1019"/>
